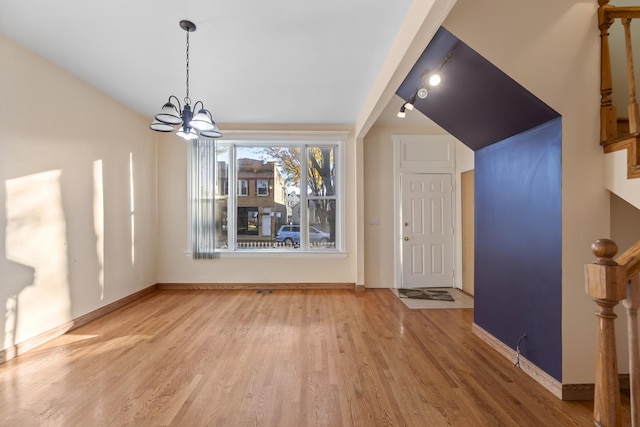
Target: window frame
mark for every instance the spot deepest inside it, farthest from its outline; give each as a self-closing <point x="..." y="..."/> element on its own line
<point x="302" y="140"/>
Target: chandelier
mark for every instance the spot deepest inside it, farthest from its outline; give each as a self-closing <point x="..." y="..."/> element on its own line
<point x="173" y="114"/>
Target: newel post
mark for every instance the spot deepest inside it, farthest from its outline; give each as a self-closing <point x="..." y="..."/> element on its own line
<point x="606" y="284"/>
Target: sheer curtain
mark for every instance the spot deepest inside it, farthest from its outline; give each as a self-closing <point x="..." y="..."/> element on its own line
<point x="202" y="193"/>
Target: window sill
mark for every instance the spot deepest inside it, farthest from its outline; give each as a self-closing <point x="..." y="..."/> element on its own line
<point x="276" y="254"/>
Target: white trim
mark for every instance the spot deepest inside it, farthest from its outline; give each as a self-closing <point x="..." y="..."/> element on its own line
<point x="304" y="202"/>
<point x="294" y="135"/>
<point x="266" y="253"/>
<point x="528" y="367"/>
<point x="287" y="138"/>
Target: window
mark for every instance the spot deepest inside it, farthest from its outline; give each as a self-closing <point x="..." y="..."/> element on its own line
<point x="288" y="195"/>
<point x="243" y="187"/>
<point x="263" y="187"/>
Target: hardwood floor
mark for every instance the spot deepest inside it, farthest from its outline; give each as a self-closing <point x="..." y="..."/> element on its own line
<point x="290" y="358"/>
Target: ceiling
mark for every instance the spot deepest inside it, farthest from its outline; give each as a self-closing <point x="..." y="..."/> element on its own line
<point x="476" y="102"/>
<point x="275" y="62"/>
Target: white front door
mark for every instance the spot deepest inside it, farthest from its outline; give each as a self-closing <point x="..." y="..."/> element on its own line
<point x="427" y="231"/>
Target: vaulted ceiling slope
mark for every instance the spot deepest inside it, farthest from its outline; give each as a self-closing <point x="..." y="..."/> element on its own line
<point x="475" y="102"/>
<point x="278" y="61"/>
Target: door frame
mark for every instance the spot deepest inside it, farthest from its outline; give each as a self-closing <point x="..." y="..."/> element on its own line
<point x="422" y="154"/>
<point x="467" y="213"/>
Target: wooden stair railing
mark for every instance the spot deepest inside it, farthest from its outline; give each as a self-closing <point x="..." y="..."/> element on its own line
<point x="608" y="282"/>
<point x="614" y="137"/>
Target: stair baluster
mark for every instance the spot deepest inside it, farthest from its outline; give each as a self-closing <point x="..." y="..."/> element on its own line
<point x="608" y="116"/>
<point x="634" y="118"/>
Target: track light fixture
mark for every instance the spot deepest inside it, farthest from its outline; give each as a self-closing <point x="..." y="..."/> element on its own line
<point x="407" y="106"/>
<point x="173" y="114"/>
<point x="434" y="79"/>
<point x="428" y="80"/>
<point x="402" y="113"/>
<point x="410" y="102"/>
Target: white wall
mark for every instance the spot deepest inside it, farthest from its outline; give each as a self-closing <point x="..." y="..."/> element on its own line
<point x="465" y="161"/>
<point x="552" y="49"/>
<point x="176" y="266"/>
<point x="615" y="177"/>
<point x="70" y="239"/>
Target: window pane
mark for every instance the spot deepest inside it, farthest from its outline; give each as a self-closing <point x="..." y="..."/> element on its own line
<point x="222" y="195"/>
<point x="321" y="194"/>
<point x="322" y="223"/>
<point x="272" y="174"/>
<point x="321" y="170"/>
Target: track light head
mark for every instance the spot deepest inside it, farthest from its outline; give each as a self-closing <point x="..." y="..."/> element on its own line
<point x="434" y="79"/>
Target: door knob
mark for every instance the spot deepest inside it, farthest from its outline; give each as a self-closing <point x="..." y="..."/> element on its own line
<point x="406" y="239"/>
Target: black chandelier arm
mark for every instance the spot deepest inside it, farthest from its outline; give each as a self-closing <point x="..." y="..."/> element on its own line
<point x="203" y="110"/>
<point x="210" y="116"/>
<point x="177" y="101"/>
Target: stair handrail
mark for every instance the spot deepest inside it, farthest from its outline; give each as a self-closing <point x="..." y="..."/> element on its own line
<point x="630" y="260"/>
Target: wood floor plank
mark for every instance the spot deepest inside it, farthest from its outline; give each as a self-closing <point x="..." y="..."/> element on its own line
<point x="290" y="358"/>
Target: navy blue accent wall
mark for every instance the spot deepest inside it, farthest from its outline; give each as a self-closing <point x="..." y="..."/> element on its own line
<point x="518" y="247"/>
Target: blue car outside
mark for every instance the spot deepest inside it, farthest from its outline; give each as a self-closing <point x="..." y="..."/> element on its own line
<point x="290" y="234"/>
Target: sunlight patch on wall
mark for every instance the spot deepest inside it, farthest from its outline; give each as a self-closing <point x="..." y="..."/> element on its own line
<point x="132" y="211"/>
<point x="36" y="236"/>
<point x="11" y="323"/>
<point x="98" y="220"/>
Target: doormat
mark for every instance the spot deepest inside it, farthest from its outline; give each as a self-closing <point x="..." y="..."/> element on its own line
<point x="425" y="293"/>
